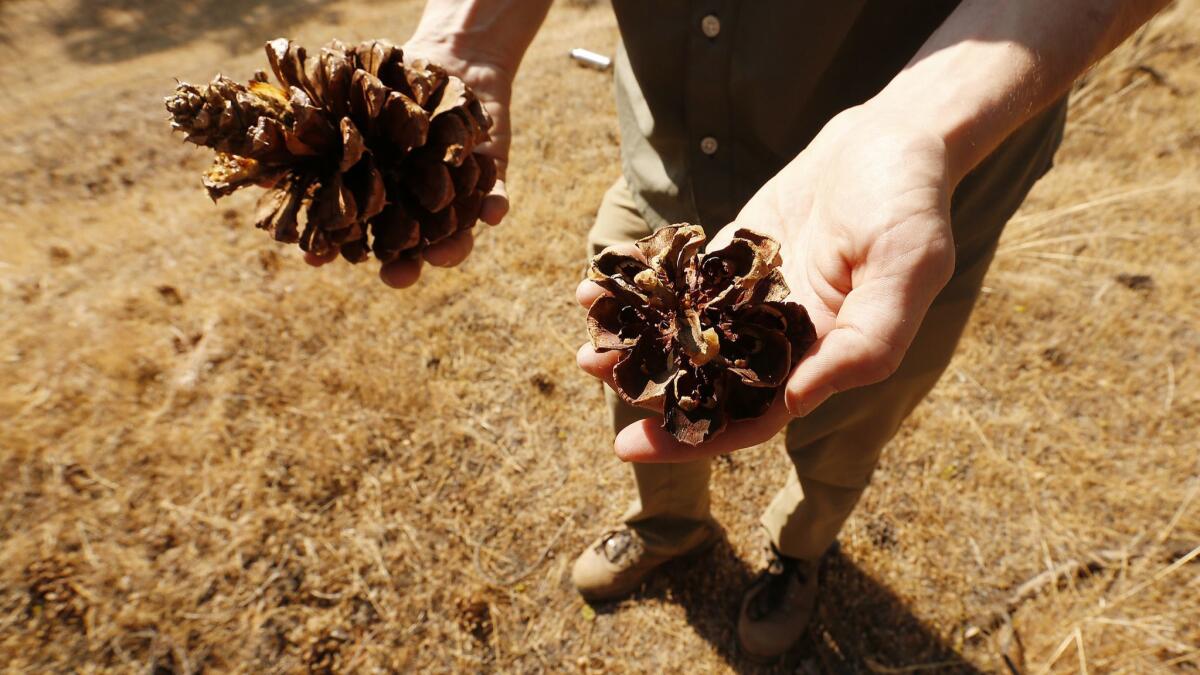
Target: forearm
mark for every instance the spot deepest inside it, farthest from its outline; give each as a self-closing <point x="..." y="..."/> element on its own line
<point x="496" y="30"/>
<point x="993" y="65"/>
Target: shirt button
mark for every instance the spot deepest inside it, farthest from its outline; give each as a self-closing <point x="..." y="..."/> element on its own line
<point x="708" y="145"/>
<point x="710" y="26"/>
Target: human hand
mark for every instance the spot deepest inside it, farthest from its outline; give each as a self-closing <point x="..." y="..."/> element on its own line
<point x="492" y="84"/>
<point x="863" y="219"/>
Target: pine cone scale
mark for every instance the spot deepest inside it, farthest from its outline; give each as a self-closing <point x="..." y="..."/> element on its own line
<point x="432" y="184"/>
<point x="371" y="191"/>
<point x="423" y="80"/>
<point x="437" y="226"/>
<point x="607" y="329"/>
<point x="375" y="94"/>
<point x="394" y="232"/>
<point x="465" y="176"/>
<point x="288" y="63"/>
<point x="643" y="373"/>
<point x="690" y="407"/>
<point x="405" y="123"/>
<point x="353" y="145"/>
<point x="279" y="208"/>
<point x="467" y="209"/>
<point x="487" y="175"/>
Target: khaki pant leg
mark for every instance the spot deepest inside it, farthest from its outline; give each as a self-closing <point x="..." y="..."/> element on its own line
<point x="672" y="508"/>
<point x="835" y="449"/>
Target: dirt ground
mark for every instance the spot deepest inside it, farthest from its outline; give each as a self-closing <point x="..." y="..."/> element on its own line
<point x="215" y="458"/>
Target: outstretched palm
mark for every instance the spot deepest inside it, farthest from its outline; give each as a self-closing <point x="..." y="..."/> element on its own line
<point x="862" y="216"/>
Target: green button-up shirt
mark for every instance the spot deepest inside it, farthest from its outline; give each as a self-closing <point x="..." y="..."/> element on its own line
<point x="715" y="96"/>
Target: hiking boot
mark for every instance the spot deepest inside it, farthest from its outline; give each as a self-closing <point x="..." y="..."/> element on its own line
<point x="777" y="607"/>
<point x="616" y="564"/>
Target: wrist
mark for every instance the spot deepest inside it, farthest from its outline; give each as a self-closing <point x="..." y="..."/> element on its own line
<point x="494" y="33"/>
<point x="968" y="95"/>
<point x="460" y="50"/>
<point x="460" y="53"/>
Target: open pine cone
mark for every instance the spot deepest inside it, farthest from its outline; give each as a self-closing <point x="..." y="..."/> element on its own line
<point x="708" y="336"/>
<point x="361" y="151"/>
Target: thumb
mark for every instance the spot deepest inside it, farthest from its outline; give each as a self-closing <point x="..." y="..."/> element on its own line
<point x="495" y="204"/>
<point x="872" y="332"/>
<point x="844" y="359"/>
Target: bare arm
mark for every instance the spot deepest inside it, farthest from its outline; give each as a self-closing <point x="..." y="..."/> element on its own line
<point x="993" y="65"/>
<point x="496" y="31"/>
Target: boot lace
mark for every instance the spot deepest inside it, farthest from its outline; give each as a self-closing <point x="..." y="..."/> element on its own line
<point x="618" y="544"/>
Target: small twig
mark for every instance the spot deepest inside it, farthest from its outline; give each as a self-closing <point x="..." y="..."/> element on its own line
<point x="367" y="591"/>
<point x="1158" y="77"/>
<point x="86" y="545"/>
<point x="262" y="589"/>
<point x="1120" y="93"/>
<point x="1162" y="574"/>
<point x="877" y="667"/>
<point x="1104" y="287"/>
<point x="1012" y="650"/>
<point x="524" y="572"/>
<point x="1083" y="669"/>
<point x="1183" y="507"/>
<point x="1170" y="396"/>
<point x="1072" y="568"/>
<point x="987" y="443"/>
<point x="1068" y="257"/>
<point x="1062" y="647"/>
<point x="1066" y="238"/>
<point x="1121" y="195"/>
<point x="1193" y="656"/>
<point x="505" y="451"/>
<point x="189" y="513"/>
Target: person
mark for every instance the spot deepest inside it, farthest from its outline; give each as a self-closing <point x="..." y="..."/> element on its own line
<point x="883" y="144"/>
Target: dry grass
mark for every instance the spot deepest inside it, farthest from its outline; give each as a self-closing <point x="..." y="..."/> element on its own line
<point x="215" y="458"/>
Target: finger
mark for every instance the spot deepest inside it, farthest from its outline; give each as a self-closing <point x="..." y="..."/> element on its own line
<point x="588" y="292"/>
<point x="598" y="365"/>
<point x="871" y="333"/>
<point x="495" y="204"/>
<point x="648" y="442"/>
<point x="401" y="273"/>
<point x="318" y="259"/>
<point x="450" y="251"/>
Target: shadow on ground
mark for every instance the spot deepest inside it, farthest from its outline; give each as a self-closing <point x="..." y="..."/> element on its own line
<point x="116" y="30"/>
<point x="860" y="627"/>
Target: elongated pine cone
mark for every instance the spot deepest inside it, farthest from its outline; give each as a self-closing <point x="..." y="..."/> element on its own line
<point x="708" y="336"/>
<point x="360" y="150"/>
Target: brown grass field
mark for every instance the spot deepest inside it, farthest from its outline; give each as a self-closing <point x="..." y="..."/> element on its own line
<point x="215" y="458"/>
